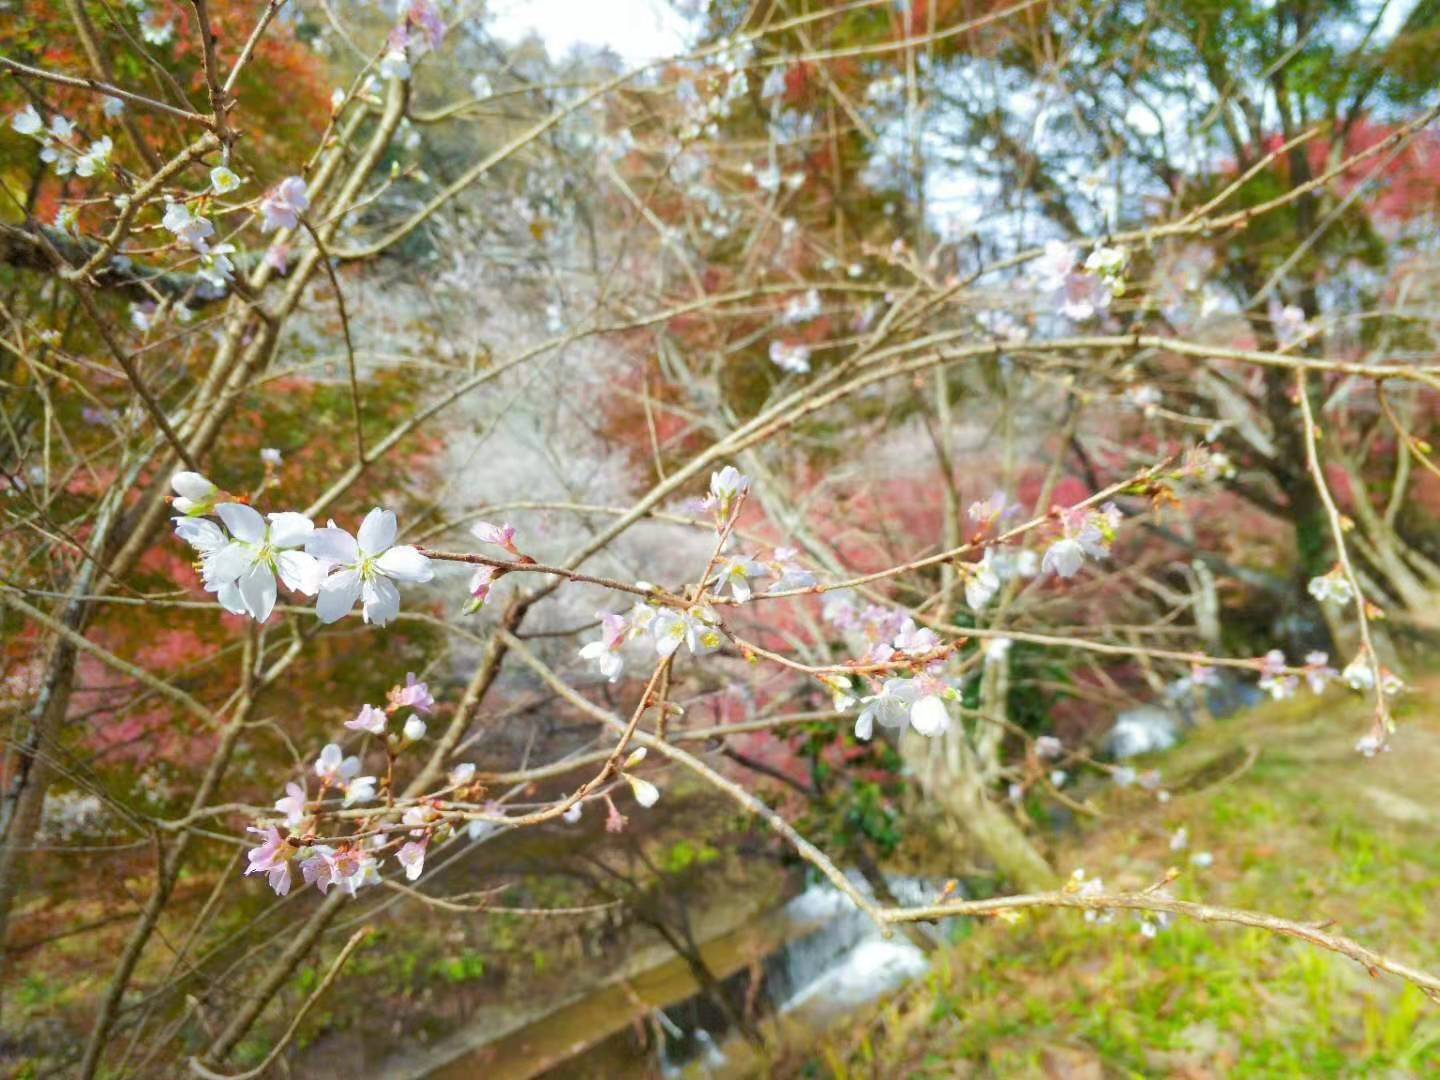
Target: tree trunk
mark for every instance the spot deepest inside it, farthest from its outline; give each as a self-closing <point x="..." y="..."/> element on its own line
<point x="948" y="773"/>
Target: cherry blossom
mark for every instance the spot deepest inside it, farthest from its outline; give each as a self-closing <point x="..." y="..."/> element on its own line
<point x="412" y="857"/>
<point x="694" y="627"/>
<point x="186" y="227"/>
<point x="413" y="695"/>
<point x="1086" y="532"/>
<point x="359" y="789"/>
<point x="365" y="568"/>
<point x="272" y="858"/>
<point x="395" y="65"/>
<point x="480" y="583"/>
<point x="787" y="572"/>
<point x="791" y="357"/>
<point x="1359" y="675"/>
<point x="96" y="158"/>
<point x="1273" y="679"/>
<point x="499" y="535"/>
<point x="605" y="653"/>
<point x="369" y="719"/>
<point x="282" y="206"/>
<point x="987" y="512"/>
<point x="335" y="769"/>
<point x="223" y="180"/>
<point x="242" y="573"/>
<point x="292" y="805"/>
<point x="982" y="582"/>
<point x="414" y="729"/>
<point x="919" y="700"/>
<point x="736" y="572"/>
<point x="915" y="641"/>
<point x="1318" y="671"/>
<point x="27" y="121"/>
<point x="1333" y="588"/>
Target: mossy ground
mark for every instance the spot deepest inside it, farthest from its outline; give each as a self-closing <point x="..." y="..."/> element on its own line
<point x="1298" y="825"/>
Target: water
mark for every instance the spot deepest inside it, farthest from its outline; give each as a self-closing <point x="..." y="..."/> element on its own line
<point x="838" y="962"/>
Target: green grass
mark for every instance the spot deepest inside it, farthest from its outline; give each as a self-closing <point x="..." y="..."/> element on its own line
<point x="1310" y="831"/>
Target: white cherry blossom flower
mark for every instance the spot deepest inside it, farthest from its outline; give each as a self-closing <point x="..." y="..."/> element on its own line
<point x="412" y="857"/>
<point x="366" y="569"/>
<point x="242" y="573"/>
<point x="919" y="701"/>
<point x="204" y="536"/>
<point x="788" y="573"/>
<point x="982" y="581"/>
<point x="414" y="729"/>
<point x="605" y="653"/>
<point x="737" y="571"/>
<point x="1333" y="588"/>
<point x="189" y="229"/>
<point x="96" y="158"/>
<point x="223" y="180"/>
<point x="1086" y="532"/>
<point x="335" y="769"/>
<point x="27" y="121"/>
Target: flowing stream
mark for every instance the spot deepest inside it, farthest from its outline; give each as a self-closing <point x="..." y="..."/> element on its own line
<point x="804" y="965"/>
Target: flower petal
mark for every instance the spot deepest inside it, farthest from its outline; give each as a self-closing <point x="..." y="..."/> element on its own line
<point x="300" y="572"/>
<point x="244" y="522"/>
<point x="227" y="564"/>
<point x="377" y="531"/>
<point x="929" y="716"/>
<point x="338" y="594"/>
<point x="405" y="563"/>
<point x="382" y="600"/>
<point x="290" y="529"/>
<point x="257" y="588"/>
<point x="334" y="545"/>
<point x="229" y="596"/>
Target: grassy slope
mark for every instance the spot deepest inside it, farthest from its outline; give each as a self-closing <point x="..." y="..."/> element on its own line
<point x="1310" y="830"/>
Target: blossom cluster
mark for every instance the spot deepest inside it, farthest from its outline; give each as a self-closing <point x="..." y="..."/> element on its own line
<point x="355" y="863"/>
<point x="242" y="556"/>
